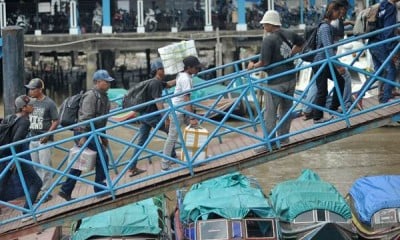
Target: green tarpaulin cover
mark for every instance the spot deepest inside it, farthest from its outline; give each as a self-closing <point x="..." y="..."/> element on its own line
<point x="230" y="196"/>
<point x="137" y="218"/>
<point x="306" y="193"/>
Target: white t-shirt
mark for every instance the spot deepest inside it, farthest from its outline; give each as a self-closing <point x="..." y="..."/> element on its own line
<point x="183" y="83"/>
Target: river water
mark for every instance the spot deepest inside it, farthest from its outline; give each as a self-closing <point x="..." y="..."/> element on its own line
<point x="341" y="162"/>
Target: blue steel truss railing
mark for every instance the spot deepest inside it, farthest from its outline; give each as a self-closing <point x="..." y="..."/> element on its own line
<point x="242" y="86"/>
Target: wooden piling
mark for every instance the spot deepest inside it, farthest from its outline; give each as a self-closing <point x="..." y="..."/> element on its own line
<point x="13" y="66"/>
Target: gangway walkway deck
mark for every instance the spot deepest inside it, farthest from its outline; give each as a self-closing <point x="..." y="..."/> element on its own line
<point x="230" y="146"/>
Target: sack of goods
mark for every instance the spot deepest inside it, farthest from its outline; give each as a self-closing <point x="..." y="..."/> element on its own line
<point x="195" y="138"/>
<point x="86" y="160"/>
<point x="172" y="55"/>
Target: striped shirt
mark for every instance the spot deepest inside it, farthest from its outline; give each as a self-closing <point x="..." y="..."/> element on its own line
<point x="324" y="39"/>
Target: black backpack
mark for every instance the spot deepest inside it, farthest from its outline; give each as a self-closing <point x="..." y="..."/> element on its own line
<point x="69" y="109"/>
<point x="311" y="43"/>
<point x="136" y="95"/>
<point x="68" y="113"/>
<point x="6" y="128"/>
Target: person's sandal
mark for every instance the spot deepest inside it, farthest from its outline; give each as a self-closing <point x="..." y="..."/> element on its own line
<point x="307" y="116"/>
<point x="136" y="171"/>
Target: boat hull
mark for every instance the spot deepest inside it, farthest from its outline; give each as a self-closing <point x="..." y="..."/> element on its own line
<point x="388" y="232"/>
<point x="324" y="230"/>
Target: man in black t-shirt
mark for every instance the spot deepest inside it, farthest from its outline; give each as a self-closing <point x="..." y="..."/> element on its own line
<point x="153" y="91"/>
<point x="19" y="131"/>
<point x="278" y="45"/>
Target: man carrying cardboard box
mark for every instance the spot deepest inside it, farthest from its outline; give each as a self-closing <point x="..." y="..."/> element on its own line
<point x="183" y="83"/>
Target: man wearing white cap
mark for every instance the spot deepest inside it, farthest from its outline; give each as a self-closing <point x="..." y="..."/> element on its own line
<point x="278" y="45"/>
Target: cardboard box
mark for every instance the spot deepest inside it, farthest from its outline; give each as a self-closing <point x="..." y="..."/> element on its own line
<point x="194" y="139"/>
<point x="86" y="161"/>
<point x="202" y="156"/>
<point x="172" y="55"/>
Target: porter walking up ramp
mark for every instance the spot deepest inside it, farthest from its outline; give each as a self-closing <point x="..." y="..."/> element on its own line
<point x="230" y="109"/>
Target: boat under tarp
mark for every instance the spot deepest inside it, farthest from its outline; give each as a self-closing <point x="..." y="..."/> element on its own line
<point x="311" y="209"/>
<point x="373" y="193"/>
<point x="232" y="206"/>
<point x="306" y="193"/>
<point x="375" y="204"/>
<point x="230" y="196"/>
<point x="141" y="218"/>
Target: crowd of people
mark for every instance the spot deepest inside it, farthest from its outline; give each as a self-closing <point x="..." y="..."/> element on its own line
<point x="279" y="44"/>
<point x="37" y="113"/>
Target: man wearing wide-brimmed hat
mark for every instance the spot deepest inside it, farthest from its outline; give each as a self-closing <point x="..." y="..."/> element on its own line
<point x="278" y="45"/>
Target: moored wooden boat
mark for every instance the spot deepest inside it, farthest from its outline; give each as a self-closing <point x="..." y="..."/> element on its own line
<point x="375" y="205"/>
<point x="143" y="220"/>
<point x="310" y="208"/>
<point x="227" y="207"/>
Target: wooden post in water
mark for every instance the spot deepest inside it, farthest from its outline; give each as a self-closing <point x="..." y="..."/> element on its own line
<point x="91" y="67"/>
<point x="13" y="66"/>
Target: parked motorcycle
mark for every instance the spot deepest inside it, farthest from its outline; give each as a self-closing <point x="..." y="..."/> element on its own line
<point x="150" y="22"/>
<point x="177" y="19"/>
<point x="118" y="18"/>
<point x="19" y="19"/>
<point x="47" y="23"/>
<point x="61" y="22"/>
<point x="284" y="13"/>
<point x="254" y="16"/>
<point x="196" y="18"/>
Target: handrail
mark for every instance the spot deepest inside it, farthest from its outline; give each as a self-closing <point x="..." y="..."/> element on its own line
<point x="219" y="129"/>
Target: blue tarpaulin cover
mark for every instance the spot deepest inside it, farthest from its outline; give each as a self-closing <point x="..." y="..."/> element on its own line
<point x="136" y="218"/>
<point x="373" y="193"/>
<point x="307" y="192"/>
<point x="230" y="196"/>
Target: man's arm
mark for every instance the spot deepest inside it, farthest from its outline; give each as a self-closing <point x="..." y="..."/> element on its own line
<point x="171" y="83"/>
<point x="253" y="65"/>
<point x="54" y="125"/>
<point x="54" y="121"/>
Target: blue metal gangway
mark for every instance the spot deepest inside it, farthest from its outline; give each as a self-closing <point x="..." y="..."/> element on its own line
<point x="232" y="136"/>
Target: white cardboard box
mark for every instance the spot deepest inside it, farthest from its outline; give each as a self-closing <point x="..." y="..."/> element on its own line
<point x="194" y="139"/>
<point x="172" y="55"/>
<point x="86" y="161"/>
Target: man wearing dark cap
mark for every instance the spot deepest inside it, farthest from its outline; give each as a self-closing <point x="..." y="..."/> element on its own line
<point x="153" y="91"/>
<point x="94" y="103"/>
<point x="44" y="119"/>
<point x="19" y="131"/>
<point x="183" y="83"/>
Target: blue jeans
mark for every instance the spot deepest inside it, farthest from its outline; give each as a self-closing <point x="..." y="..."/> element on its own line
<point x="33" y="182"/>
<point x="310" y="97"/>
<point x="379" y="55"/>
<point x="144" y="131"/>
<point x="347" y="92"/>
<point x="69" y="185"/>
